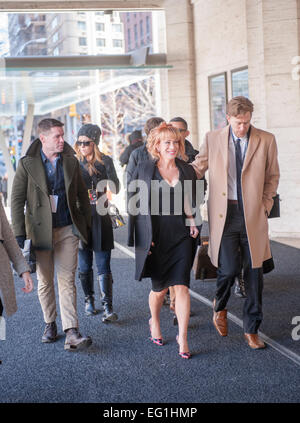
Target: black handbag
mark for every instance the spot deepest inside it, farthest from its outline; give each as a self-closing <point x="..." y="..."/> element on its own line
<point x="275" y="211"/>
<point x="203" y="267"/>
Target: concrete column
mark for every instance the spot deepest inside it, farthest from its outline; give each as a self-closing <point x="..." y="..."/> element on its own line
<point x="181" y="55"/>
<point x="28" y="128"/>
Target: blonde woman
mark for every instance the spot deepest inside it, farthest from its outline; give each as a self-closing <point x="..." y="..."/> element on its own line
<point x="165" y="241"/>
<point x="96" y="167"/>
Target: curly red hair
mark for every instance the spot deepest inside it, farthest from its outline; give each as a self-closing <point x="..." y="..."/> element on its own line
<point x="161" y="132"/>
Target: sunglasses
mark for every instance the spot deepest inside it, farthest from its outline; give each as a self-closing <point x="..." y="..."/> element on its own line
<point x="84" y="143"/>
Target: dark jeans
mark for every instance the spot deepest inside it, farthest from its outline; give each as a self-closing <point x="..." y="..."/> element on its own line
<point x="234" y="244"/>
<point x="85" y="259"/>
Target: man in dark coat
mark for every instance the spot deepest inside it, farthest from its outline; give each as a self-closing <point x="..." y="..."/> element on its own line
<point x="136" y="141"/>
<point x="49" y="182"/>
<point x="141" y="154"/>
<point x="181" y="124"/>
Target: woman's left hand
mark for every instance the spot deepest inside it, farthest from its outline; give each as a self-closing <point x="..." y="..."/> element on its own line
<point x="194" y="231"/>
<point x="28" y="282"/>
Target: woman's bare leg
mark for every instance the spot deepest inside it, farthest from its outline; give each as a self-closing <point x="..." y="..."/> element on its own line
<point x="156" y="300"/>
<point x="182" y="309"/>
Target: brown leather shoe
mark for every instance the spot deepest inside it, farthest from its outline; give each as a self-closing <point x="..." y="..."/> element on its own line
<point x="254" y="342"/>
<point x="50" y="333"/>
<point x="220" y="321"/>
<point x="74" y="340"/>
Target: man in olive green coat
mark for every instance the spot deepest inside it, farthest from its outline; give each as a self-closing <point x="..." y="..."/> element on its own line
<point x="49" y="182"/>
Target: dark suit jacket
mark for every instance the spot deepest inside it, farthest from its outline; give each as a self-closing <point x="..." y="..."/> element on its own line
<point x="140" y="226"/>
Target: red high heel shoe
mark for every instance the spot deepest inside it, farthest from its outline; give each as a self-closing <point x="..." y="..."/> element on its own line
<point x="157" y="341"/>
<point x="185" y="355"/>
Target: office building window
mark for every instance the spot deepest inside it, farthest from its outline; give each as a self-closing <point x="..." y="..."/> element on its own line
<point x="117" y="27"/>
<point x="82" y="41"/>
<point x="100" y="26"/>
<point x="100" y="42"/>
<point x="81" y="25"/>
<point x="148" y="25"/>
<point x="56" y="51"/>
<point x="54" y="22"/>
<point x="239" y="82"/>
<point x="141" y="29"/>
<point x="99" y="13"/>
<point x="135" y="32"/>
<point x="218" y="100"/>
<point x="117" y="43"/>
<point x="129" y="38"/>
<point x="55" y="37"/>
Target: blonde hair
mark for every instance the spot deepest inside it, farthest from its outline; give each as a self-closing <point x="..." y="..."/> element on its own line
<point x="160" y="133"/>
<point x="97" y="157"/>
<point x="239" y="106"/>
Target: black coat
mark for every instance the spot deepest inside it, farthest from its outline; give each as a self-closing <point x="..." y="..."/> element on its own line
<point x="140" y="155"/>
<point x="124" y="157"/>
<point x="140" y="226"/>
<point x="102" y="238"/>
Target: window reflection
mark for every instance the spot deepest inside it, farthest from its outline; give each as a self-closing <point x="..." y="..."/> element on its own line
<point x="218" y="100"/>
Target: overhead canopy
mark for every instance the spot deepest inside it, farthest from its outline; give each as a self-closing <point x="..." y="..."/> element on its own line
<point x="51" y="83"/>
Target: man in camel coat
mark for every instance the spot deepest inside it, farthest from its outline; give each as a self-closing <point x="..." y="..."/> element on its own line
<point x="243" y="179"/>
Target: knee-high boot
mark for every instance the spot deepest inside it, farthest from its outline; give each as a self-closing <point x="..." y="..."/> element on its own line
<point x="106" y="290"/>
<point x="87" y="282"/>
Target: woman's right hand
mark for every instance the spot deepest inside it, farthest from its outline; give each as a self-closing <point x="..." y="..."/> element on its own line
<point x="149" y="252"/>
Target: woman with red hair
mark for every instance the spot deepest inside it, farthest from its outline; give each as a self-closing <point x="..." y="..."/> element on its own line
<point x="163" y="230"/>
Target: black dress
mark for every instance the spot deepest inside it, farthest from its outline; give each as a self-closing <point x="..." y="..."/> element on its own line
<point x="172" y="256"/>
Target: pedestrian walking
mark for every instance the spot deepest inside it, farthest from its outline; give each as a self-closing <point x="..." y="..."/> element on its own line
<point x="136" y="141"/>
<point x="97" y="167"/>
<point x="4" y="189"/>
<point x="182" y="125"/>
<point x="243" y="179"/>
<point x="48" y="180"/>
<point x="164" y="244"/>
<point x="10" y="253"/>
<point x="141" y="154"/>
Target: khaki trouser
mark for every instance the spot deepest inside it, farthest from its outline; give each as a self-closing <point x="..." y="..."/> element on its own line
<point x="63" y="257"/>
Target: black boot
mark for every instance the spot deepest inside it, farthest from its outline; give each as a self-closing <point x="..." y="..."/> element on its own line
<point x="105" y="284"/>
<point x="87" y="282"/>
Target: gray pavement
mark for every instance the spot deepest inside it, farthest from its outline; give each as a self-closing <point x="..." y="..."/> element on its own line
<point x="123" y="366"/>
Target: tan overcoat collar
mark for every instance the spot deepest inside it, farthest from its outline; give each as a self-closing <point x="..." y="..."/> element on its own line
<point x="253" y="144"/>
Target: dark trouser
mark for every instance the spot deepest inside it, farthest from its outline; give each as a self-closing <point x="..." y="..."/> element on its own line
<point x="1" y="308"/>
<point x="234" y="243"/>
<point x="102" y="261"/>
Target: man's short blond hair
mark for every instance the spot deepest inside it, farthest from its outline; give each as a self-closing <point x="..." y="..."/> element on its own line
<point x="239" y="106"/>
